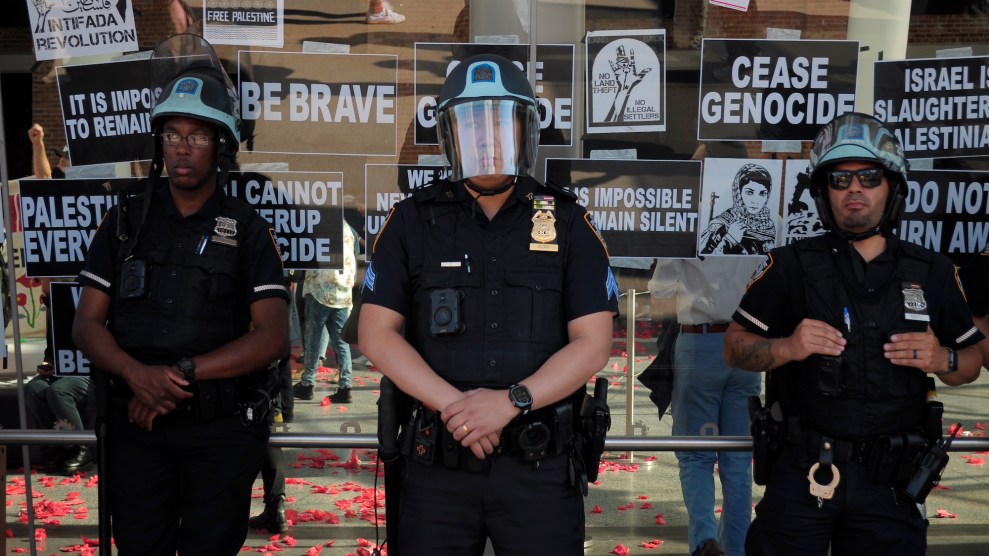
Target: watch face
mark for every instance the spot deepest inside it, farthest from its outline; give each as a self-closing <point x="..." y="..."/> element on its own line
<point x="521" y="396"/>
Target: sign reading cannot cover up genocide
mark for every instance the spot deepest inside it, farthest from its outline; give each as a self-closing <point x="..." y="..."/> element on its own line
<point x="107" y="111"/>
<point x="304" y="208"/>
<point x="758" y="90"/>
<point x="938" y="108"/>
<point x="643" y="208"/>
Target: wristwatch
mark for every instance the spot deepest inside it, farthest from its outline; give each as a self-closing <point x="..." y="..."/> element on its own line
<point x="188" y="369"/>
<point x="521" y="397"/>
<point x="952" y="363"/>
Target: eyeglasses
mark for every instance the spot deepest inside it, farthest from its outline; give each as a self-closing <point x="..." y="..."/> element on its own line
<point x="870" y="178"/>
<point x="196" y="140"/>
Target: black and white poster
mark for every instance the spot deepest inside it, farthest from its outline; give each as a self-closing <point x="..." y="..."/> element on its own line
<point x="626" y="81"/>
<point x="288" y="96"/>
<point x="938" y="108"/>
<point x="244" y="23"/>
<point x="554" y="78"/>
<point x="107" y="111"/>
<point x="69" y="360"/>
<point x="72" y="28"/>
<point x="947" y="211"/>
<point x="59" y="218"/>
<point x="762" y="90"/>
<point x="305" y="209"/>
<point x="800" y="217"/>
<point x="740" y="206"/>
<point x="387" y="184"/>
<point x="643" y="208"/>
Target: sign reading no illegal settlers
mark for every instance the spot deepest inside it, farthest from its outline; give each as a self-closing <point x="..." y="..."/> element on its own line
<point x="758" y="90"/>
<point x="69" y="361"/>
<point x="554" y="74"/>
<point x="107" y="111"/>
<point x="626" y="83"/>
<point x="387" y="184"/>
<point x="643" y="208"/>
<point x="305" y="209"/>
<point x="60" y="217"/>
<point x="297" y="99"/>
<point x="938" y="108"/>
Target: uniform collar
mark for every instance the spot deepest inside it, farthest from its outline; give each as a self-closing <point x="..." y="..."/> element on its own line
<point x="208" y="210"/>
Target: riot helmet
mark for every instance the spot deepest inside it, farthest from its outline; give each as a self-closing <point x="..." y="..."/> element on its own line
<point x="487" y="118"/>
<point x="857" y="137"/>
<point x="194" y="84"/>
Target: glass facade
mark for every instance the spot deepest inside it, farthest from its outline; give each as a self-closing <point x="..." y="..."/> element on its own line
<point x="656" y="113"/>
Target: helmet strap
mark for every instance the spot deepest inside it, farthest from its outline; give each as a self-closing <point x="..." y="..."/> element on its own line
<point x="489" y="193"/>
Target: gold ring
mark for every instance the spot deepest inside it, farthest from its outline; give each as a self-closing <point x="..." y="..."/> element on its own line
<point x="466" y="430"/>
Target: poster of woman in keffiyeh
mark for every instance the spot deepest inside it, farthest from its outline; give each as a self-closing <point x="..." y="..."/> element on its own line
<point x="740" y="202"/>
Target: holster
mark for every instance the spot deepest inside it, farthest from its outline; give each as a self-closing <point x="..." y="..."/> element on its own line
<point x="767" y="435"/>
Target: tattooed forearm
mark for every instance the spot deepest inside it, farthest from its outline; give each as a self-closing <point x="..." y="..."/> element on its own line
<point x="755" y="356"/>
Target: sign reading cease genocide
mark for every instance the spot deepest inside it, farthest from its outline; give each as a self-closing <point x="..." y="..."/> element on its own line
<point x="938" y="108"/>
<point x="759" y="90"/>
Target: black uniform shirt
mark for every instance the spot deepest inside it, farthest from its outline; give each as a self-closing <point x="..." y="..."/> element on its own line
<point x="258" y="273"/>
<point x="516" y="301"/>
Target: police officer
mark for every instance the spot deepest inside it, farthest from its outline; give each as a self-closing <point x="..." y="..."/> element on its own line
<point x="183" y="312"/>
<point x="852" y="324"/>
<point x="505" y="295"/>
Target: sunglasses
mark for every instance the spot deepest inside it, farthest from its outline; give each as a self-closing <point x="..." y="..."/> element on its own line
<point x="870" y="178"/>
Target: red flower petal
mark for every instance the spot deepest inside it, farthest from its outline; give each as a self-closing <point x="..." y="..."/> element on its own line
<point x="620" y="550"/>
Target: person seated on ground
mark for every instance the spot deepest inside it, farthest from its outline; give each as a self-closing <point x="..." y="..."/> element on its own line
<point x="64" y="403"/>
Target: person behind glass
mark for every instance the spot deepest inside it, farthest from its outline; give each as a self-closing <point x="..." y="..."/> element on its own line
<point x="62" y="403"/>
<point x="489" y="300"/>
<point x="853" y="325"/>
<point x="709" y="397"/>
<point x="747" y="228"/>
<point x="328" y="298"/>
<point x="208" y="318"/>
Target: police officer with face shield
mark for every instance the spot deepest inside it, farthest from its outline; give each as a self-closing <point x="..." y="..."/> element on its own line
<point x="183" y="310"/>
<point x="489" y="301"/>
<point x="853" y="328"/>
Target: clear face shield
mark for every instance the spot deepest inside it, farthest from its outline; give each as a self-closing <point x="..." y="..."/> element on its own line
<point x="489" y="137"/>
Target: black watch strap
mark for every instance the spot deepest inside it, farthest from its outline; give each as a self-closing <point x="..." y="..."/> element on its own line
<point x="521" y="397"/>
<point x="188" y="369"/>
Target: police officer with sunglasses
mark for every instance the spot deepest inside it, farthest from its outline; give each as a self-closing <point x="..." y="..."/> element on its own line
<point x="853" y="328"/>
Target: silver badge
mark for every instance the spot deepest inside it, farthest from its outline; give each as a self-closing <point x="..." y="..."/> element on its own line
<point x="913" y="299"/>
<point x="225" y="227"/>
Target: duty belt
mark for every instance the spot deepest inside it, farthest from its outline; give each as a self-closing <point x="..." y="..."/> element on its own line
<point x="843" y="451"/>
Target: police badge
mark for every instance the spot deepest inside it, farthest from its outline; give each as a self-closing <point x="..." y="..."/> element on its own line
<point x="914" y="304"/>
<point x="225" y="231"/>
<point x="543" y="224"/>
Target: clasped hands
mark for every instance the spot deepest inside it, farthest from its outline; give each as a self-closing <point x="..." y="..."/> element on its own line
<point x="158" y="390"/>
<point x="920" y="350"/>
<point x="477" y="419"/>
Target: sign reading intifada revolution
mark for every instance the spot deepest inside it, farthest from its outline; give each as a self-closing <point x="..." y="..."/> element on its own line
<point x="60" y="217"/>
<point x="938" y="108"/>
<point x="554" y="76"/>
<point x="759" y="89"/>
<point x="107" y="111"/>
<point x="643" y="208"/>
<point x="304" y="208"/>
<point x="295" y="100"/>
<point x="69" y="360"/>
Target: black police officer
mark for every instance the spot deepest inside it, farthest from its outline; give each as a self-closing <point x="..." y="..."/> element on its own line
<point x="505" y="295"/>
<point x="180" y="315"/>
<point x="852" y="325"/>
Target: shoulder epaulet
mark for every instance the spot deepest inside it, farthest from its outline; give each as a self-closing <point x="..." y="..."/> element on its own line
<point x="429" y="191"/>
<point x="916" y="251"/>
<point x="559" y="190"/>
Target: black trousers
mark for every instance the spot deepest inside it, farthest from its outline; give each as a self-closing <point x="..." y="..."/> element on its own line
<point x="523" y="509"/>
<point x="184" y="488"/>
<point x="861" y="518"/>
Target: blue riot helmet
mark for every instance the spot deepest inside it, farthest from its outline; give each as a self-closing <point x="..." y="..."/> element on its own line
<point x="194" y="84"/>
<point x="856" y="137"/>
<point x="487" y="118"/>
